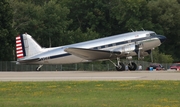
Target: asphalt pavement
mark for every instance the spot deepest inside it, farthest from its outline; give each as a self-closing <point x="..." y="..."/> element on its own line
<point x="89" y="75"/>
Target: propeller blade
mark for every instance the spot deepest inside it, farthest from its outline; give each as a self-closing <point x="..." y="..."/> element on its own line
<point x="151" y="56"/>
<point x="139" y="52"/>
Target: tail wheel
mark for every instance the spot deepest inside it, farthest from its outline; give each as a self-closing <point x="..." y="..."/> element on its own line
<point x="120" y="67"/>
<point x="38" y="69"/>
<point x="132" y="66"/>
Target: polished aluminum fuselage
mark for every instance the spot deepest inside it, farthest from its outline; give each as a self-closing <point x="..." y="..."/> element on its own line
<point x="124" y="43"/>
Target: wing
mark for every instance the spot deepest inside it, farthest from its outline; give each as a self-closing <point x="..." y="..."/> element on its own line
<point x="92" y="54"/>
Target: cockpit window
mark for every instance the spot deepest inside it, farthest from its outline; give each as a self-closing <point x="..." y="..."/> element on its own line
<point x="152" y="34"/>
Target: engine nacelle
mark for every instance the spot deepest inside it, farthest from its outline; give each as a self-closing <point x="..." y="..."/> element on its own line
<point x="132" y="49"/>
<point x="146" y="53"/>
<point x="126" y="48"/>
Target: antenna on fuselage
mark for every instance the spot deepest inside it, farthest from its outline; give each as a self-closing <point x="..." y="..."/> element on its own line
<point x="143" y="29"/>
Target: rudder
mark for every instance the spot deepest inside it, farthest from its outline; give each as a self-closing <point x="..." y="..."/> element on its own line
<point x="20" y="52"/>
<point x="26" y="46"/>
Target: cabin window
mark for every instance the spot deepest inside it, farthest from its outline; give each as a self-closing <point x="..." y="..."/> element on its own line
<point x="110" y="45"/>
<point x="95" y="48"/>
<point x="147" y="35"/>
<point x="102" y="46"/>
<point x="118" y="43"/>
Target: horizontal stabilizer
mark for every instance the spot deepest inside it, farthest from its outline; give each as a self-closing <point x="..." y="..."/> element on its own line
<point x="92" y="54"/>
<point x="29" y="60"/>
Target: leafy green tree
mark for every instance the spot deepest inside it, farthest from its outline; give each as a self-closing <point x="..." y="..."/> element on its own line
<point x="131" y="14"/>
<point x="78" y="36"/>
<point x="46" y="22"/>
<point x="165" y="15"/>
<point x="90" y="14"/>
<point x="159" y="57"/>
<point x="54" y="22"/>
<point x="6" y="32"/>
<point x="178" y="1"/>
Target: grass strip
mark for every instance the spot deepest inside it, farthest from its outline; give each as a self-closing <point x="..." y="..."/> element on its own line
<point x="90" y="94"/>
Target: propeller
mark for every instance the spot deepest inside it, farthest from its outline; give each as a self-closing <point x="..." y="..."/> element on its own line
<point x="139" y="48"/>
<point x="151" y="55"/>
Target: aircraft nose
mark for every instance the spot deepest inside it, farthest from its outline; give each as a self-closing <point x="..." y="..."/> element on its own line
<point x="162" y="38"/>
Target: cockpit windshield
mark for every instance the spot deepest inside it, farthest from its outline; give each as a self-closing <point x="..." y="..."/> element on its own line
<point x="153" y="34"/>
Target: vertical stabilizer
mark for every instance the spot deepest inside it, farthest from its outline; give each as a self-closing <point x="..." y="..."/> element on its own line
<point x="26" y="46"/>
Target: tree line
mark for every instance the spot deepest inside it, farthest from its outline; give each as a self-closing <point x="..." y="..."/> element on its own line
<point x="61" y="22"/>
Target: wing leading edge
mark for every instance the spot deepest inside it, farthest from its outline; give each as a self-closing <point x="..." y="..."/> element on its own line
<point x="92" y="54"/>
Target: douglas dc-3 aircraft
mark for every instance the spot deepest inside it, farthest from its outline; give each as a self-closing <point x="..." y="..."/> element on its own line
<point x="125" y="45"/>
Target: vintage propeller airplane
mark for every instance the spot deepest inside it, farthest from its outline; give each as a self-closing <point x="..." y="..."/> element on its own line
<point x="125" y="45"/>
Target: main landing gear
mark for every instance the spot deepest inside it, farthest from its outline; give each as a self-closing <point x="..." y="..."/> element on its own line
<point x="121" y="67"/>
<point x="132" y="66"/>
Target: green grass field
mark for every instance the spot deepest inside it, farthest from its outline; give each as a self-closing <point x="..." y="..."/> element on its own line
<point x="90" y="94"/>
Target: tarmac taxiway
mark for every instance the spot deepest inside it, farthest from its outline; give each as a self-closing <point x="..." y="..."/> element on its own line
<point x="88" y="75"/>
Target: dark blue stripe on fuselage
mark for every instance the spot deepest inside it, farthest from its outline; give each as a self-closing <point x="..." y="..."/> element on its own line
<point x="61" y="55"/>
<point x="23" y="47"/>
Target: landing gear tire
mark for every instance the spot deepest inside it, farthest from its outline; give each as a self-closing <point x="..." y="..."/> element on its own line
<point x="132" y="66"/>
<point x="120" y="67"/>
